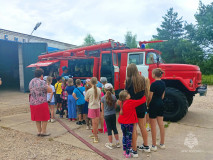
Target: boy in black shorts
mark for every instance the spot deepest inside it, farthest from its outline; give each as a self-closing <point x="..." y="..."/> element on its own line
<point x="58" y="91"/>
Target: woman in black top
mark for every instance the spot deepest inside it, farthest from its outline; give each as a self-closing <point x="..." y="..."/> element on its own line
<point x="156" y="109"/>
<point x="135" y="85"/>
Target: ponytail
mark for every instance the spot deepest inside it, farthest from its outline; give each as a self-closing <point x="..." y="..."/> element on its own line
<point x="94" y="81"/>
<point x="158" y="72"/>
<point x="95" y="91"/>
<point x="109" y="100"/>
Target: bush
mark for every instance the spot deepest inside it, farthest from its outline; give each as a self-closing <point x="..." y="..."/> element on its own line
<point x="207" y="79"/>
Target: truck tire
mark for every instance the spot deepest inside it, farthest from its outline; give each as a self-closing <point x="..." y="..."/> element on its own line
<point x="175" y="105"/>
<point x="190" y="100"/>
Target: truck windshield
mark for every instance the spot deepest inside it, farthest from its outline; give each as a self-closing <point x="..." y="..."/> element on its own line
<point x="152" y="58"/>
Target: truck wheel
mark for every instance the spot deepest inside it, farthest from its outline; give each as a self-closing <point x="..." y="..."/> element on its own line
<point x="190" y="100"/>
<point x="175" y="105"/>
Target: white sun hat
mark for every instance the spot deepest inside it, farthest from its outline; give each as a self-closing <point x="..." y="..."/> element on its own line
<point x="108" y="86"/>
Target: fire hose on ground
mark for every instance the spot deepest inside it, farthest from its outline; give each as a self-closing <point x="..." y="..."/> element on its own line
<point x="84" y="141"/>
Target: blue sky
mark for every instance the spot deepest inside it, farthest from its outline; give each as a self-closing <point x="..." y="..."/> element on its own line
<point x="71" y="20"/>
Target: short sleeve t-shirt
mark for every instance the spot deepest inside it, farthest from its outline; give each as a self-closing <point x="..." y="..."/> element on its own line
<point x="49" y="94"/>
<point x="38" y="91"/>
<point x="109" y="110"/>
<point x="79" y="94"/>
<point x="158" y="87"/>
<point x="58" y="88"/>
<point x="93" y="103"/>
<point x="70" y="89"/>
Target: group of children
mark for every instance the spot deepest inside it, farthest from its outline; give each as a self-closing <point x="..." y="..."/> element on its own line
<point x="91" y="103"/>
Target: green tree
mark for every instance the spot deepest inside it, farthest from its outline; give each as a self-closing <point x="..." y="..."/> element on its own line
<point x="176" y="49"/>
<point x="130" y="40"/>
<point x="171" y="27"/>
<point x="89" y="40"/>
<point x="202" y="32"/>
<point x="172" y="30"/>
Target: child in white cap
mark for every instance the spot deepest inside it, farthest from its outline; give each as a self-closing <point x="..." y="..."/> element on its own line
<point x="108" y="106"/>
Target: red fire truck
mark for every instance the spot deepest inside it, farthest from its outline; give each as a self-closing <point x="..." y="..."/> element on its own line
<point x="110" y="59"/>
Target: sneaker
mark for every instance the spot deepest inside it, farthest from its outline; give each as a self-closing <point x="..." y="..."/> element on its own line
<point x="79" y="123"/>
<point x="57" y="111"/>
<point x="87" y="128"/>
<point x="154" y="148"/>
<point x="143" y="148"/>
<point x="128" y="155"/>
<point x="117" y="145"/>
<point x="101" y="130"/>
<point x="49" y="120"/>
<point x="124" y="153"/>
<point x="52" y="120"/>
<point x="148" y="129"/>
<point x="95" y="140"/>
<point x="73" y="119"/>
<point x="134" y="154"/>
<point x="83" y="122"/>
<point x="162" y="146"/>
<point x="131" y="150"/>
<point x="45" y="134"/>
<point x="109" y="145"/>
<point x="90" y="127"/>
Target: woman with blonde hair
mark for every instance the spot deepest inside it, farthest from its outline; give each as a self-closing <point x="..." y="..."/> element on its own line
<point x="135" y="85"/>
<point x="93" y="96"/>
<point x="72" y="115"/>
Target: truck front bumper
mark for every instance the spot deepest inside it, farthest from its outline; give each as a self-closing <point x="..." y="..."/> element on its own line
<point x="202" y="90"/>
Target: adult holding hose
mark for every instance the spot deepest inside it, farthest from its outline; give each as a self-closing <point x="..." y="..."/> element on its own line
<point x="135" y="85"/>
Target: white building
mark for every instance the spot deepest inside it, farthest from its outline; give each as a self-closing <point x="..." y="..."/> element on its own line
<point x="20" y="37"/>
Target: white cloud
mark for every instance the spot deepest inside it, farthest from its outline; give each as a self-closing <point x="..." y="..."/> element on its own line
<point x="69" y="20"/>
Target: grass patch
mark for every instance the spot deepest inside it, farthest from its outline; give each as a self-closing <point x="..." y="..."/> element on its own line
<point x="167" y="124"/>
<point x="207" y="79"/>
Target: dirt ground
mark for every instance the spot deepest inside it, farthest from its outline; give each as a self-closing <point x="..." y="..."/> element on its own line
<point x="21" y="143"/>
<point x="20" y="146"/>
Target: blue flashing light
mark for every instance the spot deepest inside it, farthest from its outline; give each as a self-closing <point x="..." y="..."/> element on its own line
<point x="143" y="46"/>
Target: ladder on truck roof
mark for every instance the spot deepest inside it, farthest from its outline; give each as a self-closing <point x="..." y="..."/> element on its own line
<point x="92" y="50"/>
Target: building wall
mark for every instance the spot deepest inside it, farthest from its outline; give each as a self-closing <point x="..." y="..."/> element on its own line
<point x="20" y="37"/>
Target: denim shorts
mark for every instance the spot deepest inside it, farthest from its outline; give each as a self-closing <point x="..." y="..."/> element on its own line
<point x="51" y="103"/>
